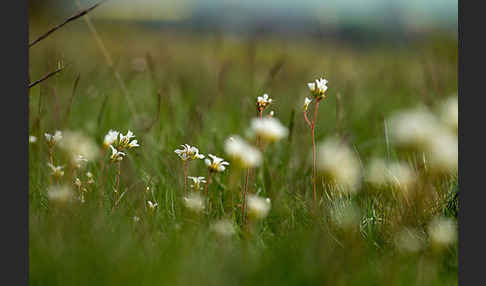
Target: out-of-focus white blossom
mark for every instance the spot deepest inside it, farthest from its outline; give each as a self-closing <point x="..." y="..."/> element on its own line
<point x="338" y="163"/>
<point x="269" y="129"/>
<point x="449" y="113"/>
<point x="442" y="231"/>
<point x="223" y="227"/>
<point x="245" y="155"/>
<point x="194" y="202"/>
<point x="77" y="145"/>
<point x="258" y="207"/>
<point x="443" y="152"/>
<point x="110" y="138"/>
<point x="32" y="139"/>
<point x="60" y="194"/>
<point x="217" y="165"/>
<point x="188" y="153"/>
<point x="197" y="183"/>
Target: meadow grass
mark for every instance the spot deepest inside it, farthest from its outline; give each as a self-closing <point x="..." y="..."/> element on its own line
<point x="208" y="86"/>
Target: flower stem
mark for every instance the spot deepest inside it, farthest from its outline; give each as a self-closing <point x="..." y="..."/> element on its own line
<point x="207" y="184"/>
<point x="185" y="176"/>
<point x="117" y="182"/>
<point x="243" y="204"/>
<point x="102" y="168"/>
<point x="314" y="172"/>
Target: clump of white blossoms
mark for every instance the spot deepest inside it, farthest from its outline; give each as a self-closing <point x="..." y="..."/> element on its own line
<point x="62" y="193"/>
<point x="396" y="174"/>
<point x="442" y="232"/>
<point x="338" y="163"/>
<point x="223" y="227"/>
<point x="307" y="101"/>
<point x="197" y="183"/>
<point x="188" y="153"/>
<point x="269" y="129"/>
<point x="262" y="102"/>
<point x="120" y="142"/>
<point x="318" y="88"/>
<point x="53" y="139"/>
<point x="245" y="155"/>
<point x="194" y="202"/>
<point x="32" y="139"/>
<point x="77" y="145"/>
<point x="56" y="171"/>
<point x="258" y="207"/>
<point x="217" y="164"/>
<point x="449" y="113"/>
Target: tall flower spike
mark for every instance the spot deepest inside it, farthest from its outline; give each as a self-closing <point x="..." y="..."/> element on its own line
<point x="217" y="165"/>
<point x="263" y="102"/>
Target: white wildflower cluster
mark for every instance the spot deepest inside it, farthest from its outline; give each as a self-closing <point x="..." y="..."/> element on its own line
<point x="269" y="129"/>
<point x="258" y="207"/>
<point x="118" y="143"/>
<point x="189" y="153"/>
<point x="52" y="139"/>
<point x="245" y="155"/>
<point x="338" y="163"/>
<point x="262" y="102"/>
<point x="197" y="183"/>
<point x="194" y="202"/>
<point x="318" y="88"/>
<point x="419" y="130"/>
<point x="449" y="113"/>
<point x="215" y="164"/>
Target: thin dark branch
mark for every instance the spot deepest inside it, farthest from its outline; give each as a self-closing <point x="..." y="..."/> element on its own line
<point x="72" y="18"/>
<point x="45" y="77"/>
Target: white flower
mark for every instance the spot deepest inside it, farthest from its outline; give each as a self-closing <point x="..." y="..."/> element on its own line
<point x="53" y="139"/>
<point x="77" y="144"/>
<point x="307" y="101"/>
<point x="56" y="170"/>
<point x="59" y="193"/>
<point x="217" y="165"/>
<point x="197" y="181"/>
<point x="258" y="207"/>
<point x="32" y="139"/>
<point x="443" y="152"/>
<point x="152" y="205"/>
<point x="244" y="154"/>
<point x="188" y="153"/>
<point x="133" y="144"/>
<point x="116" y="155"/>
<point x="413" y="129"/>
<point x="110" y="138"/>
<point x="269" y="129"/>
<point x="318" y="88"/>
<point x="338" y="163"/>
<point x="449" y="113"/>
<point x="194" y="202"/>
<point x="223" y="227"/>
<point x="263" y="102"/>
<point x="271" y="113"/>
<point x="77" y="182"/>
<point x="442" y="231"/>
<point x="126" y="142"/>
<point x="397" y="174"/>
<point x="136" y="219"/>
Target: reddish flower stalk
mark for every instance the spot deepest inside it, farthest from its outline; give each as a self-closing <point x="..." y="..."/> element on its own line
<point x="185" y="176"/>
<point x="312" y="125"/>
<point x="207" y="184"/>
